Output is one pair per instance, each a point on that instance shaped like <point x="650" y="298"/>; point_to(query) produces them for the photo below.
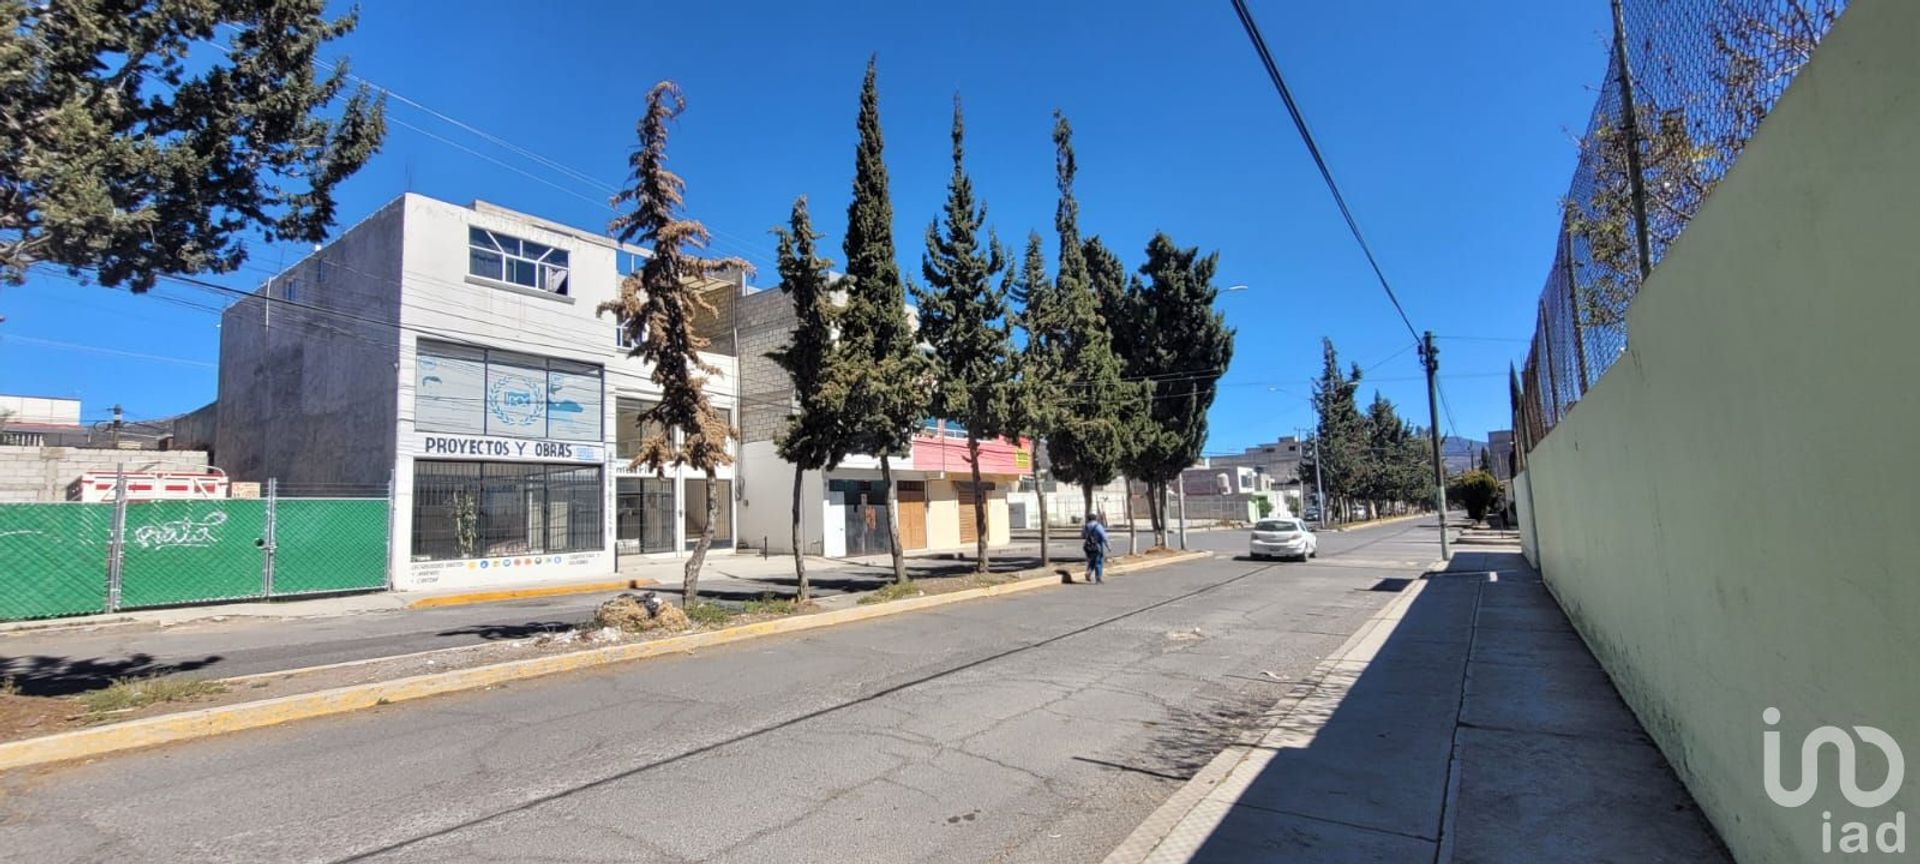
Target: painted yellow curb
<point x="1379" y="522"/>
<point x="187" y="725"/>
<point x="524" y="593"/>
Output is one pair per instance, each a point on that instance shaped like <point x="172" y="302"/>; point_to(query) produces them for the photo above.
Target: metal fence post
<point x="116" y="542"/>
<point x="390" y="518"/>
<point x="1636" y="177"/>
<point x="267" y="543"/>
<point x="1573" y="301"/>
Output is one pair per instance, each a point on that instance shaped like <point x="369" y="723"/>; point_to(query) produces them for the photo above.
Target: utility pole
<point x="1430" y="358"/>
<point x="1183" y="511"/>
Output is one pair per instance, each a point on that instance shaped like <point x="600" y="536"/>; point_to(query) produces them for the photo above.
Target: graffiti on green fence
<point x="54" y="557"/>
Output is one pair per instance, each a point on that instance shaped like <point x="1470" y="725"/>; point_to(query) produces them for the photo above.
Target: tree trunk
<point x="893" y="520"/>
<point x="1086" y="500"/>
<point x="1160" y="517"/>
<point x="799" y="547"/>
<point x="690" y="592"/>
<point x="979" y="506"/>
<point x="1040" y="493"/>
<point x="1133" y="534"/>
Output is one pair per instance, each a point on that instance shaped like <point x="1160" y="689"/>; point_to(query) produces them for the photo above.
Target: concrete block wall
<point x="40" y="474"/>
<point x="766" y="323"/>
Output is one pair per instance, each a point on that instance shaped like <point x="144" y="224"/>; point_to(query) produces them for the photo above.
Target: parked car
<point x="1283" y="538"/>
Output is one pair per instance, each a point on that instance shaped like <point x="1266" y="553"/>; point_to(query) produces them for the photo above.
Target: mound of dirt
<point x="640" y="613"/>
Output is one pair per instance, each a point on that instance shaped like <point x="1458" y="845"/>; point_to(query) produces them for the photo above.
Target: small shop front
<point x="503" y="477"/>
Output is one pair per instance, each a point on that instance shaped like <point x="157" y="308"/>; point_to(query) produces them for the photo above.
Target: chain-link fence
<point x="1687" y="83"/>
<point x="76" y="558"/>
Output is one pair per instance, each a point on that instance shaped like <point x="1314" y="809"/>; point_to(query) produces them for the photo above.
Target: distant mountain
<point x="1460" y="454"/>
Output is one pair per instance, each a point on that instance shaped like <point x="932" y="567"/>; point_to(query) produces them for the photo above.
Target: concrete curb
<point x="188" y="725"/>
<point x="1390" y="520"/>
<point x="471" y="597"/>
<point x="1164" y="820"/>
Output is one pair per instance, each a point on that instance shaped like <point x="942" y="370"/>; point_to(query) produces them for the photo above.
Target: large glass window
<point x="644" y="510"/>
<point x="450" y="385"/>
<point x="489" y="509"/>
<point x="480" y="391"/>
<point x="516" y="395"/>
<point x="697" y="511"/>
<point x="497" y="256"/>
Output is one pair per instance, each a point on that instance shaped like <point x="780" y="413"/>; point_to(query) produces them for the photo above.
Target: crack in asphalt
<point x="793" y="721"/>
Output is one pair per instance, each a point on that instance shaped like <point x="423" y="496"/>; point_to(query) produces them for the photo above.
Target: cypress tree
<point x="813" y="439"/>
<point x="887" y="399"/>
<point x="658" y="305"/>
<point x="1039" y="390"/>
<point x="962" y="316"/>
<point x="1183" y="346"/>
<point x="1091" y="437"/>
<point x="1340" y="448"/>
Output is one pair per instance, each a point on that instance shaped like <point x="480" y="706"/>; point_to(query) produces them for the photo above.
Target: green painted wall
<point x="1732" y="514"/>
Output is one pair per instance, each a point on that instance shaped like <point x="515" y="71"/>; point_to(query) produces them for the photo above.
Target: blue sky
<point x="1447" y="126"/>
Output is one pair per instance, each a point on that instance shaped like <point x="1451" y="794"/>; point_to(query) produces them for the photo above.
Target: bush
<point x="709" y="614"/>
<point x="1476" y="490"/>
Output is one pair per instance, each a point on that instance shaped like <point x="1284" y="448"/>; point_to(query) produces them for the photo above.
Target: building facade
<point x="1500" y="453"/>
<point x="455" y="355"/>
<point x="844" y="511"/>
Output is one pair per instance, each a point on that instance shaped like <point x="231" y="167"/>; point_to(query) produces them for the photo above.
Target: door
<point x="913" y="514"/>
<point x="969" y="526"/>
<point x="866" y="516"/>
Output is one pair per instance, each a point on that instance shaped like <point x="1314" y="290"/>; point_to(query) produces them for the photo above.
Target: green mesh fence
<point x="191" y="551"/>
<point x="53" y="559"/>
<point x="329" y="545"/>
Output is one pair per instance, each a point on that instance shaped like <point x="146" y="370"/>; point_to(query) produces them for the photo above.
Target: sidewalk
<point x="1466" y="722"/>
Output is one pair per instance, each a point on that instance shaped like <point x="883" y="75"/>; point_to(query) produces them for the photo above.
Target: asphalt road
<point x="1037" y="727"/>
<point x="59" y="662"/>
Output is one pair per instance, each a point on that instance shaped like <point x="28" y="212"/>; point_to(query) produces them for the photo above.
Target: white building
<point x="455" y="352"/>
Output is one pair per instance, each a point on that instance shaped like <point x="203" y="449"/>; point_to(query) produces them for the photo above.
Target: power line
<point x="1313" y="149"/>
<point x="741" y="247"/>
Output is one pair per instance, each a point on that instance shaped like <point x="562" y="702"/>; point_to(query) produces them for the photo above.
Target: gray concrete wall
<point x="198" y="429"/>
<point x="766" y="323"/>
<point x="307" y="385"/>
<point x="29" y="474"/>
<point x="1727" y="516"/>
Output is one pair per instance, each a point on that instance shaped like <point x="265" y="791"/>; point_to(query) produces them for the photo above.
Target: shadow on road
<point x="40" y="675"/>
<point x="492" y="632"/>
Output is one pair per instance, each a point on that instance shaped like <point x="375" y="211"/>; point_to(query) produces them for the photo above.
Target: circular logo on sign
<point x="516" y="400"/>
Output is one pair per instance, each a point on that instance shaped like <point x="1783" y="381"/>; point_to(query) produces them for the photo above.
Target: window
<point x="496" y="256"/>
<point x="489" y="509"/>
<point x="628" y="433"/>
<point x="697" y="511"/>
<point x="478" y="391"/>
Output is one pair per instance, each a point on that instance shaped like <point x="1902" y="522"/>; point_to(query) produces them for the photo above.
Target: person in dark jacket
<point x="1093" y="541"/>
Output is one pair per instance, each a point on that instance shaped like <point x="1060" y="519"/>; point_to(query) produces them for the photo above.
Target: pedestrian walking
<point x="1093" y="541"/>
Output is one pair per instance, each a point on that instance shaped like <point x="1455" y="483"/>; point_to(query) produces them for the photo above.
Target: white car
<point x="1283" y="538"/>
